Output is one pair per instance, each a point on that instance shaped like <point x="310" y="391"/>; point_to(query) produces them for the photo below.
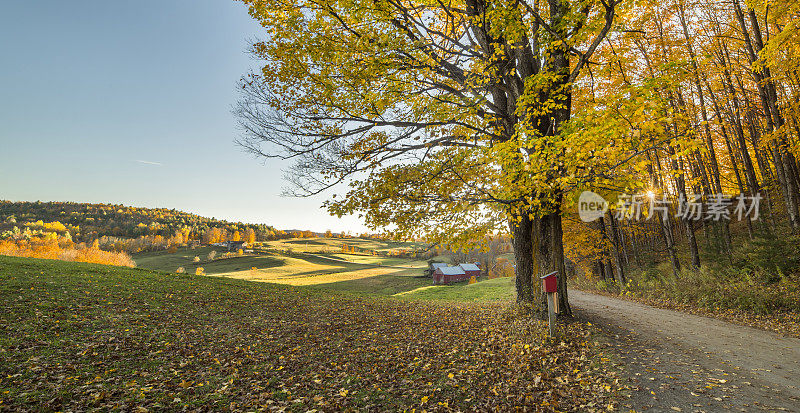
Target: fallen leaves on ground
<point x="76" y="336"/>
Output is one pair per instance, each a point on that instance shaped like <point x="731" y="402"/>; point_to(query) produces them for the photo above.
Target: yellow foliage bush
<point x="62" y="248"/>
<point x="502" y="268"/>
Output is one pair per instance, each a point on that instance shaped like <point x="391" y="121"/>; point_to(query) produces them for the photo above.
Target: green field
<point x="334" y="245"/>
<point x="495" y="290"/>
<point x="77" y="336"/>
<point x="304" y="262"/>
<point x="163" y="261"/>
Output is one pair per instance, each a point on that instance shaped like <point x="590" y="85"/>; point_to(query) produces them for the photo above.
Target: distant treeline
<point x="131" y="229"/>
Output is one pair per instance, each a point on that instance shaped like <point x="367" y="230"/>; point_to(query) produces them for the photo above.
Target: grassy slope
<point x="334" y="245"/>
<point x="498" y="289"/>
<point x="296" y="268"/>
<point x="370" y="259"/>
<point x="75" y="336"/>
<point x="163" y="261"/>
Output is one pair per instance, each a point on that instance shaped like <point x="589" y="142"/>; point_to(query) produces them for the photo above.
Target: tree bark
<point x="607" y="261"/>
<point x="549" y="257"/>
<point x="522" y="241"/>
<point x="619" y="260"/>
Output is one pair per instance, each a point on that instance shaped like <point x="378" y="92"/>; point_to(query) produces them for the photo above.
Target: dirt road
<point x="682" y="362"/>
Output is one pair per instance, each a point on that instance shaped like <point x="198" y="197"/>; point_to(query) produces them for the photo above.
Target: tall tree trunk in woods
<point x="599" y="270"/>
<point x="547" y="229"/>
<point x="680" y="184"/>
<point x="606" y="261"/>
<point x="736" y="119"/>
<point x="705" y="190"/>
<point x="633" y="237"/>
<point x="623" y="242"/>
<point x="732" y="156"/>
<point x="734" y="166"/>
<point x="688" y="224"/>
<point x="619" y="259"/>
<point x="599" y="263"/>
<point x="664" y="223"/>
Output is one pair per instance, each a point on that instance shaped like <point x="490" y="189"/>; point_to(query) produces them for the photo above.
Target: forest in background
<point x="716" y="220"/>
<point x="109" y="233"/>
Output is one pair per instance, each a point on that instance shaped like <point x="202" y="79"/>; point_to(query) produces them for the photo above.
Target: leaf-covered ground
<point x="81" y="336"/>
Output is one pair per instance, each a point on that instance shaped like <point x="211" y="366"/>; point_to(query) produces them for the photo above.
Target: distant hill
<point x="86" y="222"/>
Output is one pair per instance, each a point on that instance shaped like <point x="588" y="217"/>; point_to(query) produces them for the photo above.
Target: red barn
<point x="447" y="275"/>
<point x="472" y="270"/>
<point x="434" y="266"/>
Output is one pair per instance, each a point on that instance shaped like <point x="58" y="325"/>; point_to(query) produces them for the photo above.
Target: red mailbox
<point x="550" y="282"/>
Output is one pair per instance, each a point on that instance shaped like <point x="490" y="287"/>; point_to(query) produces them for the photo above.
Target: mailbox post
<point x="550" y="286"/>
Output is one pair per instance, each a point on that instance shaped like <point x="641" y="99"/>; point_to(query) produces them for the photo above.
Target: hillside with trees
<point x="127" y="228"/>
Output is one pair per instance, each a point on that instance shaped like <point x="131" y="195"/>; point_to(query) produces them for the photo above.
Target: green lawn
<point x="76" y="336"/>
<point x="498" y="289"/>
<point x="384" y="285"/>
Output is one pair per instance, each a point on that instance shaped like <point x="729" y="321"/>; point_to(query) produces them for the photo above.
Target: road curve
<point x="684" y="362"/>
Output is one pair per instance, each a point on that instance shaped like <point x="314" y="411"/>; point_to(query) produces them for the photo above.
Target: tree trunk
<point x="606" y="261"/>
<point x="522" y="241"/>
<point x="619" y="259"/>
<point x="549" y="257"/>
<point x="665" y="226"/>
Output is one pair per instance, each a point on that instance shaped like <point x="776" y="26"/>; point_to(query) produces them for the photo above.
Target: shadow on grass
<point x="385" y="285"/>
<point x="306" y="242"/>
<point x="233" y="264"/>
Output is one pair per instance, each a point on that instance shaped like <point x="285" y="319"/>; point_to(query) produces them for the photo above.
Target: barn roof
<point x="469" y="267"/>
<point x="435" y="265"/>
<point x="451" y="270"/>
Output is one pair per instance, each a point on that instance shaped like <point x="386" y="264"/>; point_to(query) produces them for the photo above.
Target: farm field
<point x="309" y="263"/>
<point x="78" y="336"/>
<point x="334" y="245"/>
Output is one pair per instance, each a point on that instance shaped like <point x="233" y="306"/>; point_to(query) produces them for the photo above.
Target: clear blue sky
<point x="91" y="89"/>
